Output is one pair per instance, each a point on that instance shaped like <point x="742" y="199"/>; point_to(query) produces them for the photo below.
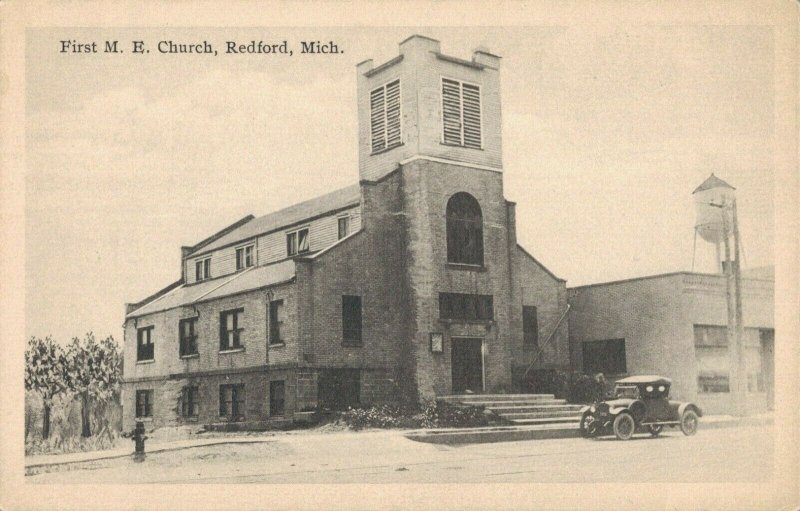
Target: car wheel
<point x="689" y="421"/>
<point x="584" y="420"/>
<point x="624" y="426"/>
<point x="655" y="430"/>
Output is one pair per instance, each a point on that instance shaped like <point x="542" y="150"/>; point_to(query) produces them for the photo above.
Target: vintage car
<point x="640" y="404"/>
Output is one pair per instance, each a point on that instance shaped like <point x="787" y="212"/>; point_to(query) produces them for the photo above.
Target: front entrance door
<point x="467" y="363"/>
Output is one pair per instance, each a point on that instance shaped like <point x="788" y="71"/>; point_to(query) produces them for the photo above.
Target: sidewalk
<point x="42" y="460"/>
<point x="445" y="436"/>
<point x="549" y="431"/>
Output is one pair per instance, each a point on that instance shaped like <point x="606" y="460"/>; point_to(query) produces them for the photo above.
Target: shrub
<point x="440" y="414"/>
<point x="382" y="416"/>
<point x="433" y="414"/>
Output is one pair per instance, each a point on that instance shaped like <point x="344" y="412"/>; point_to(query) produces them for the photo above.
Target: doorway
<point x="467" y="364"/>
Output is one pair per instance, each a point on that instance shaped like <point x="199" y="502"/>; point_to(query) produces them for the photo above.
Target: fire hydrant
<point x="139" y="438"/>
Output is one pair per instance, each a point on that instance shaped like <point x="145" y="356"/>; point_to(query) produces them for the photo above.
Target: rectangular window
<point x="297" y="242"/>
<point x="144" y="403"/>
<point x="144" y="344"/>
<point x="244" y="257"/>
<point x="384" y="105"/>
<point x="344" y="226"/>
<point x="711" y="354"/>
<point x="230" y="329"/>
<point x="530" y="326"/>
<point x="713" y="382"/>
<point x="461" y="113"/>
<point x="275" y="321"/>
<point x="351" y="320"/>
<point x="466" y="307"/>
<point x="607" y="357"/>
<point x="231" y="401"/>
<point x="187" y="329"/>
<point x="190" y="402"/>
<point x="709" y="335"/>
<point x="277" y="398"/>
<point x="202" y="269"/>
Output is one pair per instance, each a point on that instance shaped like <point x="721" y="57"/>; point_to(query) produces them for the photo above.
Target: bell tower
<point x="424" y="103"/>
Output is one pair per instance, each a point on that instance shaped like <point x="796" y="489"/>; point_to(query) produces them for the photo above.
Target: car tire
<point x="586" y="430"/>
<point x="624" y="426"/>
<point x="655" y="429"/>
<point x="689" y="421"/>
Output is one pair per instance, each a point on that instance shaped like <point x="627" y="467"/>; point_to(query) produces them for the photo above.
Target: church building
<point x="403" y="287"/>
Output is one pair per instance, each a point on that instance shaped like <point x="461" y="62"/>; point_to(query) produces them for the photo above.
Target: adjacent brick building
<point x="406" y="286"/>
<point x="675" y="325"/>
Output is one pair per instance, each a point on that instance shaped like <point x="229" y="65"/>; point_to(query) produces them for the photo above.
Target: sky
<point x="606" y="132"/>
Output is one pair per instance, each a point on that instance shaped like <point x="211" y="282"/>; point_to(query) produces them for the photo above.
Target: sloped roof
<point x="712" y="182"/>
<point x="287" y="216"/>
<point x="253" y="278"/>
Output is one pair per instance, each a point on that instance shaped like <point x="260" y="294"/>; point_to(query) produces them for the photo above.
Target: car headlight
<point x="592" y="409"/>
<point x="649" y="388"/>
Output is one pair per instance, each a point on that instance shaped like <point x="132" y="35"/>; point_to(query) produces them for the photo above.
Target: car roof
<point x="646" y="379"/>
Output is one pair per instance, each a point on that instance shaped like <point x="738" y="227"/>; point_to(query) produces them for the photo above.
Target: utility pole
<point x="737" y="381"/>
<point x="742" y="383"/>
<point x="715" y="200"/>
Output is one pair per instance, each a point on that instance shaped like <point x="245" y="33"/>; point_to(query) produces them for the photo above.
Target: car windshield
<point x="628" y="391"/>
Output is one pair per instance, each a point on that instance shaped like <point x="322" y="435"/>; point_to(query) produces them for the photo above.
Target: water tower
<point x="713" y="201"/>
<point x="717" y="222"/>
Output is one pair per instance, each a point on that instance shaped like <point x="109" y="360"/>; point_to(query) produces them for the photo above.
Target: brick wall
<point x="420" y="72"/>
<point x="370" y="264"/>
<point x="536" y="286"/>
<point x="656" y="317"/>
<point x="427" y="187"/>
<point x="167" y="395"/>
<point x="165" y="335"/>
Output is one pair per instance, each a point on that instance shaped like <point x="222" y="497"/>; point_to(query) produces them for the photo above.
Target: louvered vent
<point x="385" y="116"/>
<point x="461" y="113"/>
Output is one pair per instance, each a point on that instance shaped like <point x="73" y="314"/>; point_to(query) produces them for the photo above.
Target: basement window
<point x="144" y="403"/>
<point x="384" y="105"/>
<point x="190" y="402"/>
<point x="231" y="401"/>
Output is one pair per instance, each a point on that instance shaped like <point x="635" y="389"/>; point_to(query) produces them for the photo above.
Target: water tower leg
<point x="719" y="259"/>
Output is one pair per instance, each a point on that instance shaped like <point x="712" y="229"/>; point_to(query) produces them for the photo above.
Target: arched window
<point x="464" y="230"/>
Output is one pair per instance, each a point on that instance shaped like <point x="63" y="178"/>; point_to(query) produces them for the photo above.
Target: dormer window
<point x="244" y="257"/>
<point x="384" y="105"/>
<point x="202" y="269"/>
<point x="461" y="114"/>
<point x="297" y="242"/>
<point x="343" y="226"/>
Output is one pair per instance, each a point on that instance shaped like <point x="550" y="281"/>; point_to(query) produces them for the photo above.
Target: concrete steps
<point x="524" y="409"/>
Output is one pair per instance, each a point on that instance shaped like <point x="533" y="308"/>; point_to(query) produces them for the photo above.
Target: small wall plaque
<point x="437" y="342"/>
